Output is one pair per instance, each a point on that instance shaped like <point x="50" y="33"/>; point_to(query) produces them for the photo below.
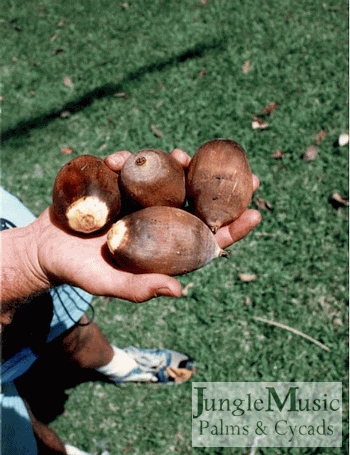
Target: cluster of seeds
<point x="156" y="231"/>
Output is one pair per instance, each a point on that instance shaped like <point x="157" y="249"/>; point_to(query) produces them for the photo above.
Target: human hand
<point x="84" y="261"/>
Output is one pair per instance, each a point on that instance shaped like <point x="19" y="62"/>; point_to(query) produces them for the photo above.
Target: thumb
<point x="143" y="287"/>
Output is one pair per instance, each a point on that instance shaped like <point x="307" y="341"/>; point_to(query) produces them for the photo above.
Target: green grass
<point x="155" y="52"/>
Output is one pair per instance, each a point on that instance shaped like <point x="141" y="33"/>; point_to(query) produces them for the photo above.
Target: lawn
<point x="103" y="76"/>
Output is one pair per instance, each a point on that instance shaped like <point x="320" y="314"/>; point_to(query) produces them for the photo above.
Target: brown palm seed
<point x="86" y="195"/>
<point x="153" y="178"/>
<point x="219" y="182"/>
<point x="162" y="240"/>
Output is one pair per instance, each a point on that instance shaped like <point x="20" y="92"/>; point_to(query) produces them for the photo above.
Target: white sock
<point x="119" y="366"/>
<point x="71" y="450"/>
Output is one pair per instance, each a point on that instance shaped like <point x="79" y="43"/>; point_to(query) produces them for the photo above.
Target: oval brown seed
<point x="219" y="182"/>
<point x="162" y="240"/>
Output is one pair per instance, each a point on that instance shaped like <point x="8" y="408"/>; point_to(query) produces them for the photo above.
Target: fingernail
<point x="166" y="292"/>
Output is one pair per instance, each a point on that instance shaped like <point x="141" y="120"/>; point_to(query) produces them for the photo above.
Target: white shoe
<point x="71" y="450"/>
<point x="154" y="365"/>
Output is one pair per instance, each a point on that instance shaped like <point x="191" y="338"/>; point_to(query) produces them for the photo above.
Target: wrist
<point x="21" y="274"/>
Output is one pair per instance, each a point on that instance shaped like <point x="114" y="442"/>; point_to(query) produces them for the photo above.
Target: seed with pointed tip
<point x="162" y="240"/>
<point x="219" y="182"/>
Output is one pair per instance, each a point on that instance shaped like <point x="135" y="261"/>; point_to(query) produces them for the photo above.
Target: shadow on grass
<point x="108" y="90"/>
<point x="46" y="384"/>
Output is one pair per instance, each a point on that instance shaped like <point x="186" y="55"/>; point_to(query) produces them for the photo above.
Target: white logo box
<point x="266" y="414"/>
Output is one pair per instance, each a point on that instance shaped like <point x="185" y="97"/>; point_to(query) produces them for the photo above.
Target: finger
<point x="256" y="182"/>
<point x="147" y="286"/>
<point x="238" y="229"/>
<point x="182" y="157"/>
<point x="135" y="288"/>
<point x="117" y="160"/>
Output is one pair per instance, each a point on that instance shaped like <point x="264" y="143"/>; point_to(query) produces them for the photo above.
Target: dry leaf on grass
<point x="180" y="374"/>
<point x="278" y="155"/>
<point x="310" y="154"/>
<point x="61" y="23"/>
<point x="121" y="95"/>
<point x="68" y="82"/>
<point x="338" y="199"/>
<point x="262" y="204"/>
<point x="246" y="67"/>
<point x="258" y="123"/>
<point x="343" y="139"/>
<point x="156" y="131"/>
<point x="320" y="136"/>
<point x="247" y="277"/>
<point x="67" y="150"/>
<point x="269" y="108"/>
<point x="202" y="73"/>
